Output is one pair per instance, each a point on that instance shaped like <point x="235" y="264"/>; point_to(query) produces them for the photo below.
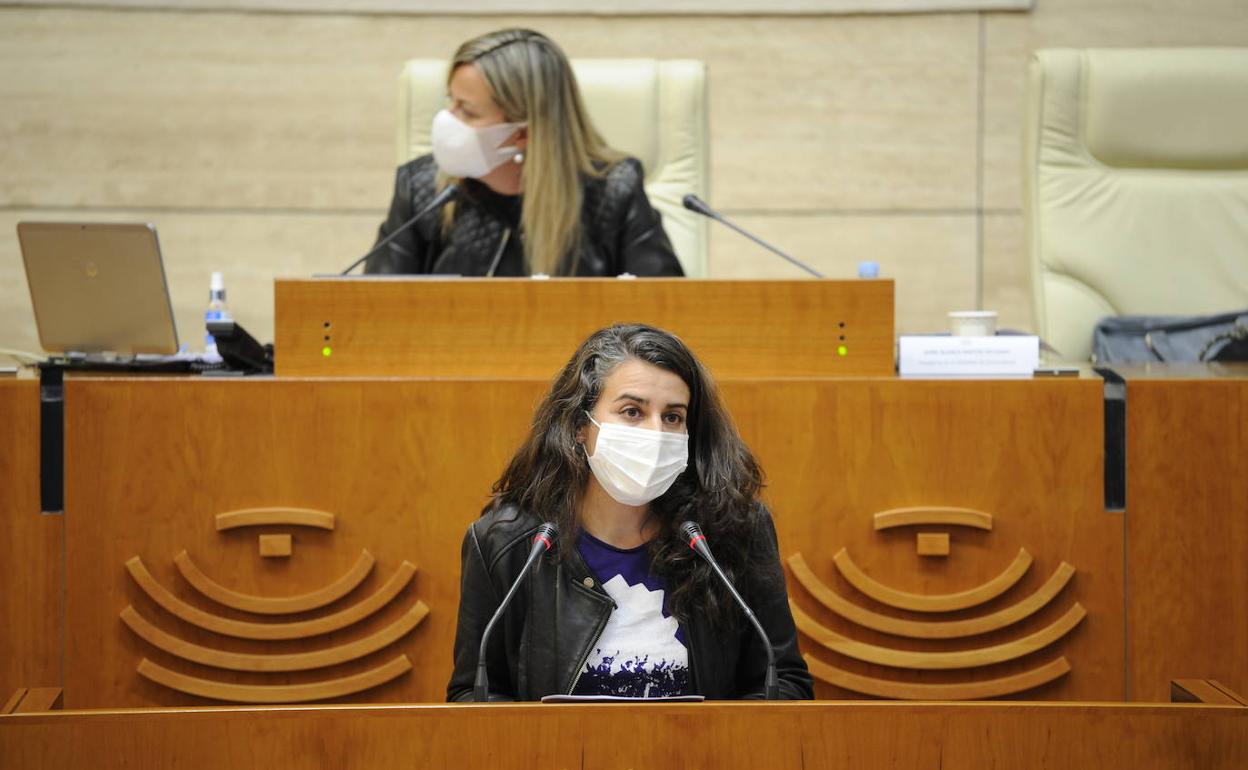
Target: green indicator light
<point x="327" y="351"/>
<point x="840" y="351"/>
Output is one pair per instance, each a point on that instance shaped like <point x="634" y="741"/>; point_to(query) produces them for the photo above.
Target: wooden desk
<point x="861" y="736"/>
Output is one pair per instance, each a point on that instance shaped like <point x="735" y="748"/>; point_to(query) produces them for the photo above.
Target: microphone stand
<point x="697" y="541"/>
<point x="441" y="200"/>
<point x="694" y="203"/>
<point x="542" y="541"/>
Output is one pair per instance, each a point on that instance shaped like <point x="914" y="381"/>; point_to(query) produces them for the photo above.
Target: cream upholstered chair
<point x="653" y="110"/>
<point x="1135" y="186"/>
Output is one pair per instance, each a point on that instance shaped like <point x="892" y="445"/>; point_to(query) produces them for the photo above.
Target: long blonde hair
<point x="532" y="81"/>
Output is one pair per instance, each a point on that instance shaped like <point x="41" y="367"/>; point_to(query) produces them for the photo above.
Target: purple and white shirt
<point x="642" y="651"/>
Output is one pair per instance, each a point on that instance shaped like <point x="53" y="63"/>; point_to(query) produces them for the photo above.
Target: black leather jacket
<point x="620" y="231"/>
<point x="540" y="644"/>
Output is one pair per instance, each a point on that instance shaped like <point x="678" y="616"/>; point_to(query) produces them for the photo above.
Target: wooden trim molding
<point x="259" y="517"/>
<point x="981" y="656"/>
<point x="919" y="629"/>
<point x="284" y="693"/>
<point x="932" y="514"/>
<point x="275" y="605"/>
<point x="1204" y="691"/>
<point x="932" y="602"/>
<point x="302" y="661"/>
<point x="13" y="700"/>
<point x="33" y="700"/>
<point x="244" y="630"/>
<point x="988" y="688"/>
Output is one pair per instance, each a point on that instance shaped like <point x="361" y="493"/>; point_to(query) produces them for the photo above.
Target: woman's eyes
<point x="671" y="418"/>
<point x="459" y="110"/>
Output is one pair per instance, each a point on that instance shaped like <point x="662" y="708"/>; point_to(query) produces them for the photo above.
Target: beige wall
<point x="262" y="144"/>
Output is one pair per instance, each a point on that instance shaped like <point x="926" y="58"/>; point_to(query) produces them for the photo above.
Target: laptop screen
<point x="98" y="288"/>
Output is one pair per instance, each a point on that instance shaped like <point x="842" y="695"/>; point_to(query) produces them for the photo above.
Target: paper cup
<point x="973" y="323"/>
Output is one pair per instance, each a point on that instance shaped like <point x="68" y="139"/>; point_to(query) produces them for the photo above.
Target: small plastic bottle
<point x="217" y="310"/>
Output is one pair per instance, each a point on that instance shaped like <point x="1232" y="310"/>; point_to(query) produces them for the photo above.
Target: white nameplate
<point x="942" y="355"/>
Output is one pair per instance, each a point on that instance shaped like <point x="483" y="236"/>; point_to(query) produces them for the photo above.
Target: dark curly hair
<point x="719" y="488"/>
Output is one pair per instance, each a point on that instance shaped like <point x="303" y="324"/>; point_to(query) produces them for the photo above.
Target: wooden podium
<point x="525" y="328"/>
<point x="722" y="736"/>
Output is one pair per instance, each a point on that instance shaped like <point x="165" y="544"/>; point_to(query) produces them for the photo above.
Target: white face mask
<point x="463" y="151"/>
<point x="635" y="465"/>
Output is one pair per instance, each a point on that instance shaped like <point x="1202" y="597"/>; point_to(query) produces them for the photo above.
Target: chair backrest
<point x="1135" y="186"/>
<point x="653" y="110"/>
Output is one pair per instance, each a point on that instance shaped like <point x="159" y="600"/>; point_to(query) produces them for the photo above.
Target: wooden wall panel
<point x="31" y="579"/>
<point x="738" y="735"/>
<point x="1027" y="452"/>
<point x="1187" y="532"/>
<point x="407" y="464"/>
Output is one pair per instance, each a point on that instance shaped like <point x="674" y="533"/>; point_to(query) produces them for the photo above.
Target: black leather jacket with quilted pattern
<point x="620" y="231"/>
<point x="540" y="644"/>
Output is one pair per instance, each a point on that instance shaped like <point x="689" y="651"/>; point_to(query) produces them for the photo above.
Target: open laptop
<point x="98" y="290"/>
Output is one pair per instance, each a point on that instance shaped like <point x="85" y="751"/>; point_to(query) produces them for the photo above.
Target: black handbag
<point x="1173" y="339"/>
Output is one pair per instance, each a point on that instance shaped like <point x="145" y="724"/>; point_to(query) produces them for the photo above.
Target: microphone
<point x="694" y="203"/>
<point x="542" y="542"/>
<point x="441" y="200"/>
<point x="697" y="541"/>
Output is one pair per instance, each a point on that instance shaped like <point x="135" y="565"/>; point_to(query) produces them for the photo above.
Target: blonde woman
<point x="539" y="189"/>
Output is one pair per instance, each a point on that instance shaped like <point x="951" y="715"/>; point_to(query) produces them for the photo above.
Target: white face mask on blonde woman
<point x="464" y="151"/>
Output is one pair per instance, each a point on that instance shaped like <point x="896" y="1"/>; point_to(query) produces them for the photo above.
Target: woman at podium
<point x="538" y="190"/>
<point x="630" y="443"/>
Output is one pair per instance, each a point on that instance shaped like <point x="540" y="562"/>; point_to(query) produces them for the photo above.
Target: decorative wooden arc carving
<point x="13" y="700"/>
<point x="275" y="605"/>
<point x="32" y="700"/>
<point x="1201" y="691"/>
<point x="245" y="630"/>
<point x="932" y="602"/>
<point x="940" y="515"/>
<point x="285" y="693"/>
<point x="989" y="688"/>
<point x="256" y="517"/>
<point x="920" y="629"/>
<point x="294" y="662"/>
<point x="982" y="656"/>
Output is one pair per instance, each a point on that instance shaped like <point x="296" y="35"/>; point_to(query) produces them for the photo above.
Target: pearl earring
<point x="518" y="158"/>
